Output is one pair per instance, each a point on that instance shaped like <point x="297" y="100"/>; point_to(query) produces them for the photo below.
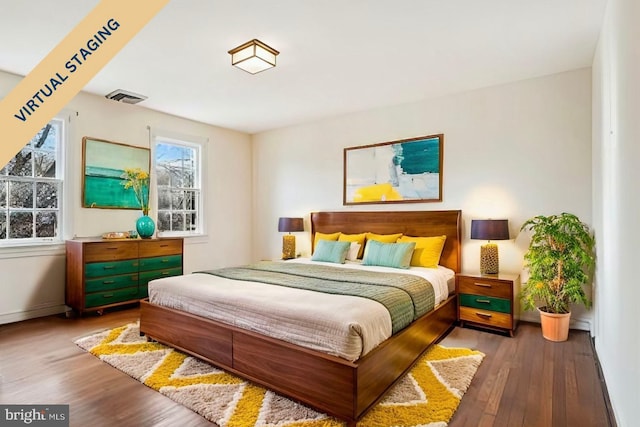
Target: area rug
<point x="426" y="397"/>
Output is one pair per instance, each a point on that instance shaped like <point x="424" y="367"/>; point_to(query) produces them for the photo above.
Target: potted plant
<point x="560" y="260"/>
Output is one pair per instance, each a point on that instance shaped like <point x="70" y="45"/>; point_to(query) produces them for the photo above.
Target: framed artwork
<point x="103" y="164"/>
<point x="403" y="171"/>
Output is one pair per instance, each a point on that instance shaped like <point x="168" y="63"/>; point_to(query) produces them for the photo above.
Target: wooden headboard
<point x="409" y="223"/>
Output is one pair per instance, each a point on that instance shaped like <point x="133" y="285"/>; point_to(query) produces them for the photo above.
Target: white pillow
<point x="354" y="249"/>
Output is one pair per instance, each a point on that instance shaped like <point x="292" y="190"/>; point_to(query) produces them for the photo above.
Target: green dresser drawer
<point x="111" y="297"/>
<point x="486" y="303"/>
<point x="147" y="276"/>
<point x="160" y="262"/>
<point x="111" y="282"/>
<point x="99" y="269"/>
<point x="143" y="291"/>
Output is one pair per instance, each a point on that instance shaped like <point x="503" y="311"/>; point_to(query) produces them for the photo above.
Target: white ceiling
<point x="337" y="56"/>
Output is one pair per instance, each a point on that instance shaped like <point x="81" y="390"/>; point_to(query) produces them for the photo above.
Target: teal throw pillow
<point x="396" y="255"/>
<point x="331" y="251"/>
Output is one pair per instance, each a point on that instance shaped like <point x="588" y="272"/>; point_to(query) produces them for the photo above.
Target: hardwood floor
<point x="529" y="381"/>
<point x="523" y="381"/>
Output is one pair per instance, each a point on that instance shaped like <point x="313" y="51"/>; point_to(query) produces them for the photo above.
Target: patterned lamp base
<point x="489" y="259"/>
<point x="288" y="246"/>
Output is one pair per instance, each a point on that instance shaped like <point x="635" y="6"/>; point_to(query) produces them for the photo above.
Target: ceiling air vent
<point x="125" y="96"/>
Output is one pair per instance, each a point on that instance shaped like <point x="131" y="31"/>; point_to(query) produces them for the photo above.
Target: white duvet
<point x="340" y="325"/>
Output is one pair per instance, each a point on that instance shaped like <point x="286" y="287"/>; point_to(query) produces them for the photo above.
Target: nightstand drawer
<point x="487" y="287"/>
<point x="486" y="303"/>
<point x="491" y="318"/>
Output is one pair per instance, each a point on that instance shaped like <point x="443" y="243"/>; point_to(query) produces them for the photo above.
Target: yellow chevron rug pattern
<point x="426" y="397"/>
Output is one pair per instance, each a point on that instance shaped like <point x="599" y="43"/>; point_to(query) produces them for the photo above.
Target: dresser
<point x="105" y="273"/>
<point x="489" y="301"/>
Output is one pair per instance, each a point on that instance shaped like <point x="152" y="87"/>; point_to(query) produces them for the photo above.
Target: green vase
<point x="145" y="227"/>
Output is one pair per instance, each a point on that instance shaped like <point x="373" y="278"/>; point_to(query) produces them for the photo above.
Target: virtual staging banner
<point x="68" y="68"/>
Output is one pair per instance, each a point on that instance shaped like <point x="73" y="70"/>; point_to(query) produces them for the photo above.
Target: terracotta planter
<point x="555" y="327"/>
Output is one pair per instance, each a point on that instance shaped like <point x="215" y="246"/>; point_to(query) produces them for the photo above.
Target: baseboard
<point x="610" y="412"/>
<point x="581" y="324"/>
<point x="19" y="316"/>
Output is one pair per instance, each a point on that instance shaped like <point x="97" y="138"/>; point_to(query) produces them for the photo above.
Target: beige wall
<point x="32" y="284"/>
<point x="510" y="151"/>
<point x="616" y="205"/>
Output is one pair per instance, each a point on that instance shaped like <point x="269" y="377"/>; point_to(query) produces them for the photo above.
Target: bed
<point x="343" y="388"/>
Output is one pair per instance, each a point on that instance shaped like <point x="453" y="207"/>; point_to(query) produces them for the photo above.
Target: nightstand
<point x="489" y="301"/>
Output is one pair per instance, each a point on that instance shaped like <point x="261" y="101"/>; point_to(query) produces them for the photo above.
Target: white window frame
<point x="199" y="146"/>
<point x="61" y="177"/>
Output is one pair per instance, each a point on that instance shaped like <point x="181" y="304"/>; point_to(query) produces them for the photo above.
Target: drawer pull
<point x="165" y="260"/>
<point x="113" y="248"/>
<point x="483" y="301"/>
<point x="109" y="267"/>
<point x="107" y="296"/>
<point x="108" y="282"/>
<point x="164" y="246"/>
<point x="165" y="273"/>
<point x="483" y="285"/>
<point x="483" y="314"/>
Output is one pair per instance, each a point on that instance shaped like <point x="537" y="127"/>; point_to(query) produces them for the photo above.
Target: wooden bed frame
<point x="330" y="384"/>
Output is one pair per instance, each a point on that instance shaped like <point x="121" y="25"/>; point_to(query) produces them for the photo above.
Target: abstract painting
<point x="403" y="171"/>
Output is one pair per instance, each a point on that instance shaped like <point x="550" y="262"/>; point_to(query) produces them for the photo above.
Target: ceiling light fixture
<point x="253" y="56"/>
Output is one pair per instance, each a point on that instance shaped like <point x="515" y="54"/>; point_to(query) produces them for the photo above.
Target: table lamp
<point x="289" y="225"/>
<point x="489" y="229"/>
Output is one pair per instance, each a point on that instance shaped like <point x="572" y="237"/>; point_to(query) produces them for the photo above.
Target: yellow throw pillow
<point x="323" y="236"/>
<point x="358" y="238"/>
<point x="428" y="250"/>
<point x="384" y="238"/>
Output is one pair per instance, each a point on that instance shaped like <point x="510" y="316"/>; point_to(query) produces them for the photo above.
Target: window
<point x="177" y="169"/>
<point x="31" y="190"/>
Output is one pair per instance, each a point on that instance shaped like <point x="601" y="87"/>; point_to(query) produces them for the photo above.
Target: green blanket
<point x="405" y="296"/>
